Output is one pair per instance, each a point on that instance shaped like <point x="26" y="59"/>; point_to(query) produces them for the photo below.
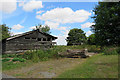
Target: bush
<point x="27" y="55"/>
<point x="93" y="48"/>
<point x="34" y="56"/>
<point x="18" y="59"/>
<point x="111" y="50"/>
<point x="118" y="50"/>
<point x="6" y="59"/>
<point x="42" y="55"/>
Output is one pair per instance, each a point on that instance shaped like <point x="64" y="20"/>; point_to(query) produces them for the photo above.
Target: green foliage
<point x="45" y="29"/>
<point x="9" y="55"/>
<point x="34" y="56"/>
<point x="94" y="48"/>
<point x="11" y="65"/>
<point x="18" y="59"/>
<point x="107" y="23"/>
<point x="91" y="48"/>
<point x="91" y="39"/>
<point x="52" y="53"/>
<point x="118" y="50"/>
<point x="76" y="37"/>
<point x="111" y="50"/>
<point x="6" y="59"/>
<point x="5" y="31"/>
<point x="41" y="55"/>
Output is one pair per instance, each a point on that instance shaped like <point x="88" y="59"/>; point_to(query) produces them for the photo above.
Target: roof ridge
<point x="18" y="35"/>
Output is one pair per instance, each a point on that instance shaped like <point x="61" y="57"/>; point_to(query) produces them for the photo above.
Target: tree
<point x="107" y="23"/>
<point x="76" y="37"/>
<point x="91" y="39"/>
<point x="45" y="29"/>
<point x="5" y="31"/>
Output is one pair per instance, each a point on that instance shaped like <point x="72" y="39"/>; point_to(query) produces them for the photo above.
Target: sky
<point x="23" y="16"/>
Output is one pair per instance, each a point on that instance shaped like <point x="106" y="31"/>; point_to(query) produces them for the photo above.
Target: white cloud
<point x="17" y="27"/>
<point x="88" y="33"/>
<point x="62" y="28"/>
<point x="52" y="25"/>
<point x="21" y="3"/>
<point x="38" y="16"/>
<point x="33" y="27"/>
<point x="64" y="15"/>
<point x="8" y="6"/>
<point x="31" y="5"/>
<point x="39" y="12"/>
<point x="87" y="25"/>
<point x="62" y="38"/>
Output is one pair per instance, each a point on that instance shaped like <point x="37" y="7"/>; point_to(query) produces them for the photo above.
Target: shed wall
<point x="35" y="41"/>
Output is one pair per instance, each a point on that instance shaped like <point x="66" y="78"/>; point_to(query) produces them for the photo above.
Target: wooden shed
<point x="27" y="41"/>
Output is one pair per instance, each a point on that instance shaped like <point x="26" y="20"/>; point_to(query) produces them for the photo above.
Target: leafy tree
<point x="91" y="39"/>
<point x="4" y="31"/>
<point x="45" y="29"/>
<point x="107" y="23"/>
<point x="76" y="37"/>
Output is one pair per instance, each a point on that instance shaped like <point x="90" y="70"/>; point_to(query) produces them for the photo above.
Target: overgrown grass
<point x="41" y="55"/>
<point x="91" y="48"/>
<point x="9" y="55"/>
<point x="44" y="55"/>
<point x="111" y="50"/>
<point x="98" y="66"/>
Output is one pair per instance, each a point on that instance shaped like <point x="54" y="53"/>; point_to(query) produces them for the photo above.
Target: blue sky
<point x="60" y="16"/>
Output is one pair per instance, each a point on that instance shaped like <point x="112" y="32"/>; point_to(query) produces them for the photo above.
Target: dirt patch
<point x="47" y="74"/>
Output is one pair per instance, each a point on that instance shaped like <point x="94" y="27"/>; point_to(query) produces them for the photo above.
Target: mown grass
<point x="98" y="66"/>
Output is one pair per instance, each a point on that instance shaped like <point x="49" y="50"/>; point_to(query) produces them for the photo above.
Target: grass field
<point x="98" y="66"/>
<point x="41" y="64"/>
<point x="44" y="69"/>
<point x="10" y="65"/>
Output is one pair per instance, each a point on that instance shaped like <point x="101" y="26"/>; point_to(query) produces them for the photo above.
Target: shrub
<point x="19" y="56"/>
<point x="34" y="56"/>
<point x="18" y="59"/>
<point x="93" y="48"/>
<point x="111" y="50"/>
<point x="27" y="55"/>
<point x="118" y="50"/>
<point x="6" y="59"/>
<point x="42" y="55"/>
